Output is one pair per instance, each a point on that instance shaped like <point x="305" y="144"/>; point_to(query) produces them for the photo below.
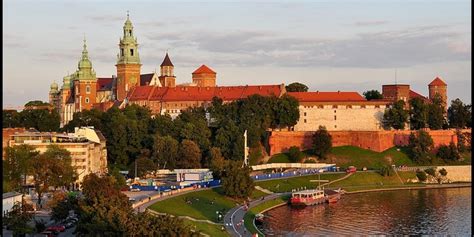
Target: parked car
<point x="351" y="169"/>
<point x="135" y="190"/>
<point x="69" y="225"/>
<point x="56" y="228"/>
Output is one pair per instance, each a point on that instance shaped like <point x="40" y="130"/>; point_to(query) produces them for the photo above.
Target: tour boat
<point x="332" y="196"/>
<point x="307" y="197"/>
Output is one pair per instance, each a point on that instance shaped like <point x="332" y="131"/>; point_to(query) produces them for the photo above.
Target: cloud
<point x="106" y="18"/>
<point x="397" y="48"/>
<point x="370" y="23"/>
<point x="13" y="41"/>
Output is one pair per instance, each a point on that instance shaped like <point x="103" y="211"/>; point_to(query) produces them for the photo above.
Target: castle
<point x="82" y="90"/>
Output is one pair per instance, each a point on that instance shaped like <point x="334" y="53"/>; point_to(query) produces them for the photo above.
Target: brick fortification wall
<point x="281" y="141"/>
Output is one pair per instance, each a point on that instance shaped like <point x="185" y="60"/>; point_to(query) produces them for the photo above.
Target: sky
<point x="345" y="45"/>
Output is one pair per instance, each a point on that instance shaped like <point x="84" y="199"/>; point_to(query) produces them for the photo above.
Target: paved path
<point x="235" y="216"/>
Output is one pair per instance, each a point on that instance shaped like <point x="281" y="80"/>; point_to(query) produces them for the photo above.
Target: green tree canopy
<point x="165" y="152"/>
<point x="18" y="164"/>
<point x="418" y="114"/>
<point x="295" y="154"/>
<point x="372" y="95"/>
<point x="396" y="116"/>
<point x="436" y="113"/>
<point x="420" y="146"/>
<point x="189" y="155"/>
<point x="236" y="180"/>
<point x="322" y="142"/>
<point x="296" y="87"/>
<point x="459" y="114"/>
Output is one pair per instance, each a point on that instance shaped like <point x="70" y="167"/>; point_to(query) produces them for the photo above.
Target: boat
<point x="307" y="197"/>
<point x="332" y="196"/>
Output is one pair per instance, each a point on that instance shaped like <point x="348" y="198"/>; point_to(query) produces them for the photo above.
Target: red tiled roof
<point x="145" y="79"/>
<point x="437" y="82"/>
<point x="326" y="96"/>
<point x="193" y="93"/>
<point x="104" y="84"/>
<point x="203" y="69"/>
<point x="166" y="61"/>
<point x="413" y="94"/>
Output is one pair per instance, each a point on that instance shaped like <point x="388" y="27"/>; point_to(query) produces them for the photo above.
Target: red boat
<point x="332" y="196"/>
<point x="307" y="197"/>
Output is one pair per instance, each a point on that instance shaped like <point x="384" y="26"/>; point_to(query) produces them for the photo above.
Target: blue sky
<point x="327" y="45"/>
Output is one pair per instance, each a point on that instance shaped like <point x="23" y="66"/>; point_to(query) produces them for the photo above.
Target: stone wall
<point x="458" y="173"/>
<point x="281" y="141"/>
<point x="340" y="117"/>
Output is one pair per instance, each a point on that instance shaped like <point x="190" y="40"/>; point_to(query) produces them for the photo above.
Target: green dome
<point x="54" y="86"/>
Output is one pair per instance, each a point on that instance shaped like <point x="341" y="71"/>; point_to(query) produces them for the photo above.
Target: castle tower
<point x="167" y="77"/>
<point x="54" y="98"/>
<point x="438" y="86"/>
<point x="128" y="62"/>
<point x="204" y="77"/>
<point x="84" y="82"/>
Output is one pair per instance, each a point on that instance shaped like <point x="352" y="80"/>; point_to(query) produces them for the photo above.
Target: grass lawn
<point x="370" y="180"/>
<point x="200" y="208"/>
<point x="405" y="175"/>
<point x="279" y="158"/>
<point x="345" y="156"/>
<point x="257" y="194"/>
<point x="250" y="215"/>
<point x="286" y="185"/>
<point x="209" y="229"/>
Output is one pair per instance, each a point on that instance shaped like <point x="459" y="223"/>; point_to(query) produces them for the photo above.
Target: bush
<point x="420" y="146"/>
<point x="386" y="171"/>
<point x="450" y="152"/>
<point x="421" y="175"/>
<point x="431" y="171"/>
<point x="443" y="172"/>
<point x="295" y="154"/>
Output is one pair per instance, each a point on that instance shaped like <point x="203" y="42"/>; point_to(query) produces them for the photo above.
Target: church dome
<point x="54" y="86"/>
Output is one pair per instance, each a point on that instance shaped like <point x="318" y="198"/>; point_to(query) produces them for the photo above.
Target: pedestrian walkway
<point x="263" y="190"/>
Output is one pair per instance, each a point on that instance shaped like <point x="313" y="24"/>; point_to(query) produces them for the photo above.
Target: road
<point x="234" y="217"/>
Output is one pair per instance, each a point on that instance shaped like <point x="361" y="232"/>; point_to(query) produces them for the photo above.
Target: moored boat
<point x="307" y="197"/>
<point x="332" y="196"/>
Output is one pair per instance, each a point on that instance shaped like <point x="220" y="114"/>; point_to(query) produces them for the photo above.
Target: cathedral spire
<point x="85" y="54"/>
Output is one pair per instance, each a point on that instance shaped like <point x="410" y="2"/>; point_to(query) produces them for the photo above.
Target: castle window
<point x="130" y="33"/>
<point x="335" y="111"/>
<point x="335" y="126"/>
<point x="88" y="89"/>
<point x="362" y="106"/>
<point x="87" y="100"/>
<point x="305" y="121"/>
<point x="304" y="113"/>
<point x="121" y="52"/>
<point x="377" y="106"/>
<point x="131" y="52"/>
<point x="320" y="106"/>
<point x="349" y="107"/>
<point x="335" y="117"/>
<point x="334" y="106"/>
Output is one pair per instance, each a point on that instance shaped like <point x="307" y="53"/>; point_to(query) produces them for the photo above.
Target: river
<point x="407" y="212"/>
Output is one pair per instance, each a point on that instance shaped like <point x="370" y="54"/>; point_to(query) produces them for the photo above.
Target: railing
<point x="293" y="173"/>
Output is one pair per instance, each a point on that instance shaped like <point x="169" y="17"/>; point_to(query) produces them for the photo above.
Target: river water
<point x="407" y="212"/>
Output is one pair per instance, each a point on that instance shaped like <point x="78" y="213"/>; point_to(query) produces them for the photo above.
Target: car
<point x="56" y="228"/>
<point x="351" y="169"/>
<point x="135" y="190"/>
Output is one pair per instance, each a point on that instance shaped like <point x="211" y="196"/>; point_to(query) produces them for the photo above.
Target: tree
<point x="296" y="87"/>
<point x="52" y="169"/>
<point x="295" y="154"/>
<point x="189" y="155"/>
<point x="287" y="112"/>
<point x="60" y="210"/>
<point x="119" y="178"/>
<point x="216" y="162"/>
<point x="17" y="219"/>
<point x="165" y="151"/>
<point x="396" y="116"/>
<point x="322" y="142"/>
<point x="36" y="103"/>
<point x="459" y="114"/>
<point x="450" y="152"/>
<point x="420" y="146"/>
<point x="418" y="113"/>
<point x="372" y="95"/>
<point x="144" y="166"/>
<point x="11" y="119"/>
<point x="421" y="175"/>
<point x="17" y="164"/>
<point x="229" y="138"/>
<point x="41" y="119"/>
<point x="436" y="113"/>
<point x="236" y="180"/>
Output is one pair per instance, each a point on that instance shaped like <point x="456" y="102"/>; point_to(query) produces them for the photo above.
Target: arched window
<point x="87" y="100"/>
<point x="88" y="89"/>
